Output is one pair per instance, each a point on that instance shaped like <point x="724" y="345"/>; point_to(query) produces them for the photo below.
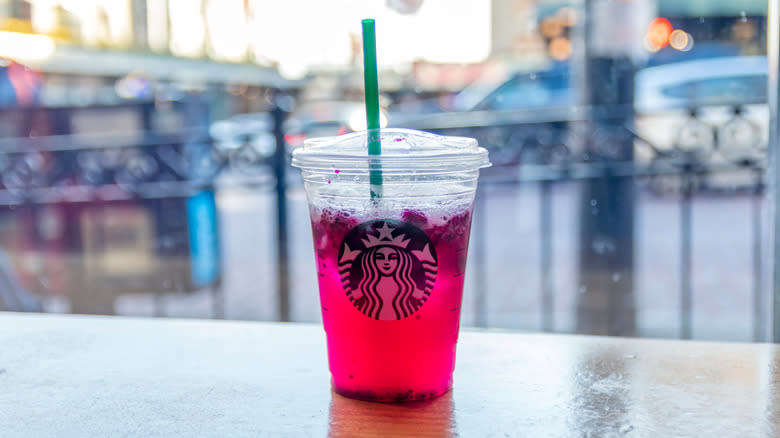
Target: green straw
<point x="371" y="84"/>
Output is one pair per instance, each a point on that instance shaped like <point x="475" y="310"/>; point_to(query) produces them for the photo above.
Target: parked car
<point x="711" y="91"/>
<point x="712" y="110"/>
<point x="708" y="112"/>
<point x="519" y="119"/>
<point x="538" y="89"/>
<point x="539" y="97"/>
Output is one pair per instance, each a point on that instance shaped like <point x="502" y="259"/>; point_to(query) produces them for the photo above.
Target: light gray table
<point x="72" y="376"/>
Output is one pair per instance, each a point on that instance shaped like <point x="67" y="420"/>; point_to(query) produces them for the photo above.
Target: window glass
<point x="145" y="154"/>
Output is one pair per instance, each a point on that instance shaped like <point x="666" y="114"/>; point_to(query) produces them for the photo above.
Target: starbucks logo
<point x="388" y="268"/>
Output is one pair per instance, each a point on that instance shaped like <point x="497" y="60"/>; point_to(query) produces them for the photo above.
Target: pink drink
<point x="391" y="256"/>
<point x="399" y="349"/>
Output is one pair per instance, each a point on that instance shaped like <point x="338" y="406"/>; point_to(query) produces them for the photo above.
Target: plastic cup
<point x="391" y="269"/>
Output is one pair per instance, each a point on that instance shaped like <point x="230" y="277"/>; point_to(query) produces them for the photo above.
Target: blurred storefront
<point x="225" y="46"/>
<point x="112" y="51"/>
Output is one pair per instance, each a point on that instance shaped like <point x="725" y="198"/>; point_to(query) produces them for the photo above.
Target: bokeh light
<point x="681" y="40"/>
<point x="551" y="27"/>
<point x="658" y="32"/>
<point x="560" y="49"/>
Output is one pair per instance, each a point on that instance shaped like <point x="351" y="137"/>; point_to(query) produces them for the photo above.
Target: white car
<point x="711" y="113"/>
<point x="712" y="109"/>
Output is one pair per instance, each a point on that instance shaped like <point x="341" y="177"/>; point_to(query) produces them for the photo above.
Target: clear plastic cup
<point x="391" y="268"/>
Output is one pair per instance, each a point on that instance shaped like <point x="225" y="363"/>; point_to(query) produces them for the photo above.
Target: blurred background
<point x="144" y="154"/>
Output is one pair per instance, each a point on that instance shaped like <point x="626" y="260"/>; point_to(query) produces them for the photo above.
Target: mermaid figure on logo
<point x="387" y="289"/>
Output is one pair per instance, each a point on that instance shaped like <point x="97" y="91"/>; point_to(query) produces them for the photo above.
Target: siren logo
<point x="387" y="268"/>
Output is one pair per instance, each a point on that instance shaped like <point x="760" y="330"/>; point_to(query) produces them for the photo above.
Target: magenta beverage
<point x="391" y="291"/>
<point x="391" y="269"/>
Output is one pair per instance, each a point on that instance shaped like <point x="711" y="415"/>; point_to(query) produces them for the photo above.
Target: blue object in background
<point x="7" y="92"/>
<point x="204" y="239"/>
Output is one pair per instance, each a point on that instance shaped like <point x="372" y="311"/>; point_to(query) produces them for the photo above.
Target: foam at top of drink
<point x="439" y="227"/>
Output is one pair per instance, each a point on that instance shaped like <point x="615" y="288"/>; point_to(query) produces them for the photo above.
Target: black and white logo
<point x="388" y="268"/>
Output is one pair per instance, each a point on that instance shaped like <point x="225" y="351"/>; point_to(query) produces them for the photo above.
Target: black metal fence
<point x="541" y="147"/>
<point x="545" y="148"/>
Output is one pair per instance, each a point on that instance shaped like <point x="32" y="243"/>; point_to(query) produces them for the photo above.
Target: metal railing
<point x="556" y="161"/>
<point x="526" y="147"/>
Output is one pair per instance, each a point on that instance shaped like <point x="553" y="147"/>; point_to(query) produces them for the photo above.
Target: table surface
<point x="110" y="376"/>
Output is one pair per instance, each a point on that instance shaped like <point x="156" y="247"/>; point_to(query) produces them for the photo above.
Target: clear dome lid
<point x="403" y="151"/>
